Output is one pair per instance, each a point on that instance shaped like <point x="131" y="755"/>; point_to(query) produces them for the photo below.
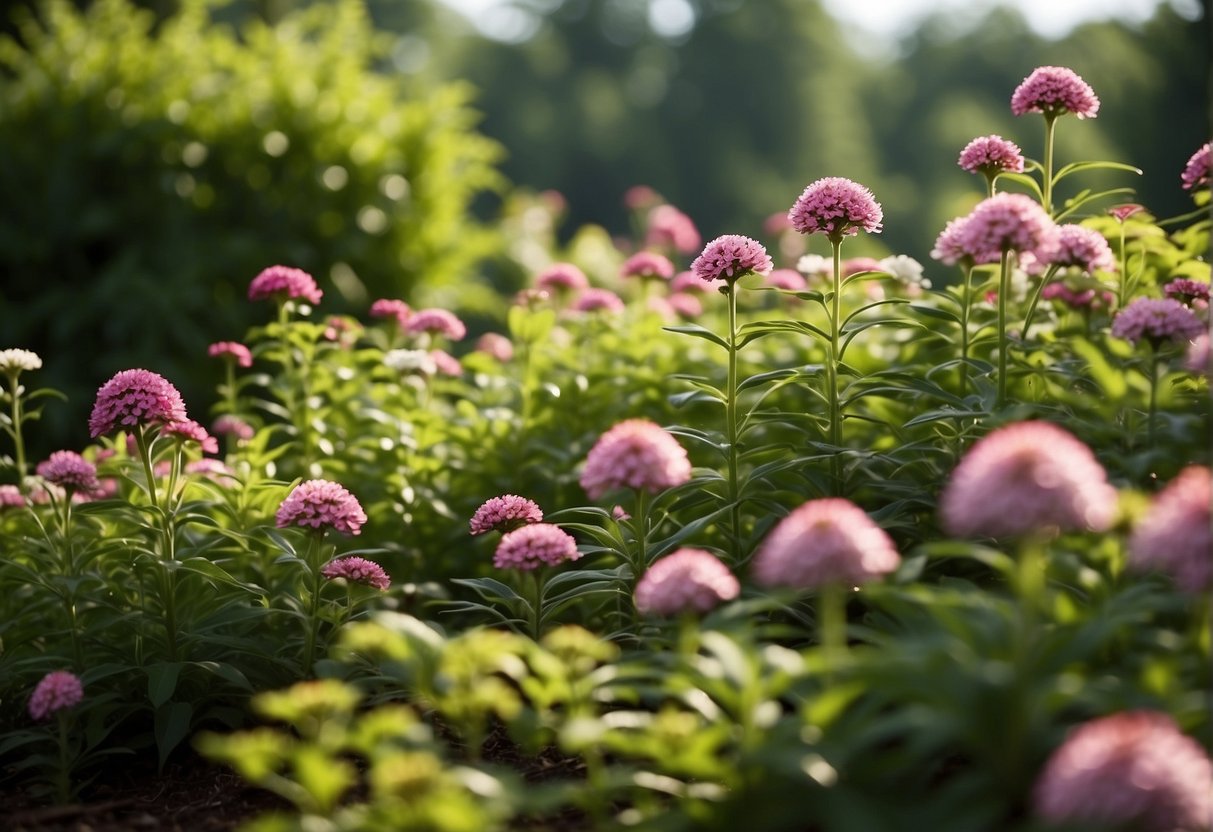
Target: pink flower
<point x="504" y="514"/>
<point x="776" y="224"/>
<point x="598" y="300"/>
<point x="1008" y="222"/>
<point x="234" y="351"/>
<point x="437" y="322"/>
<point x="228" y="425"/>
<point x="854" y="265"/>
<point x="1054" y="90"/>
<point x="496" y="345"/>
<point x="1157" y="321"/>
<point x="342" y="330"/>
<point x="990" y="155"/>
<point x="357" y="571"/>
<point x="397" y="310"/>
<point x="1023" y="478"/>
<point x="1123" y="212"/>
<point x="731" y="257"/>
<point x="835" y="207"/>
<point x="635" y="453"/>
<point x="1174" y="537"/>
<point x="446" y="364"/>
<point x="69" y="470"/>
<point x="135" y="397"/>
<point x="58" y="691"/>
<point x="561" y="278"/>
<point x="688" y="281"/>
<point x="187" y="430"/>
<point x="689" y="580"/>
<point x="11" y="497"/>
<point x="670" y="228"/>
<point x="1083" y="248"/>
<point x="533" y="546"/>
<point x="284" y="283"/>
<point x="1133" y="770"/>
<point x="1186" y="291"/>
<point x="1075" y="299"/>
<point x="646" y="265"/>
<point x="531" y="298"/>
<point x="211" y="468"/>
<point x="1198" y="355"/>
<point x="949" y="246"/>
<point x="640" y="197"/>
<point x="685" y="305"/>
<point x="1199" y="168"/>
<point x="827" y="541"/>
<point x="787" y="279"/>
<point x="320" y="505"/>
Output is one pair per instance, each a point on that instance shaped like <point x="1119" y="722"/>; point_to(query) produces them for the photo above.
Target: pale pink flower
<point x="660" y="307"/>
<point x="618" y="514"/>
<point x="1199" y="168"/>
<point x="561" y="278"/>
<point x="58" y="691"/>
<point x="1174" y="537"/>
<point x="1157" y="321"/>
<point x="640" y="197"/>
<point x="688" y="281"/>
<point x="789" y="280"/>
<point x="234" y="426"/>
<point x="635" y="453"/>
<point x="392" y="308"/>
<point x="135" y="397"/>
<point x="827" y="541"/>
<point x="211" y="468"/>
<point x="670" y="228"/>
<point x="69" y="470"/>
<point x="854" y="265"/>
<point x="949" y="246"/>
<point x="320" y="505"/>
<point x="496" y="345"/>
<point x="989" y="155"/>
<point x="1083" y="248"/>
<point x="687" y="581"/>
<point x="343" y="330"/>
<point x="437" y="322"/>
<point x="535" y="545"/>
<point x="731" y="257"/>
<point x="1023" y="478"/>
<point x="11" y="497"/>
<point x="233" y="351"/>
<point x="1133" y="770"/>
<point x="1198" y="359"/>
<point x="1076" y="298"/>
<point x="598" y="300"/>
<point x="776" y="224"/>
<point x="446" y="364"/>
<point x="187" y="430"/>
<point x="685" y="305"/>
<point x="836" y="206"/>
<point x="1008" y="222"/>
<point x="1187" y="292"/>
<point x="1054" y="90"/>
<point x="284" y="283"/>
<point x="357" y="570"/>
<point x="532" y="298"/>
<point x="504" y="514"/>
<point x="1123" y="212"/>
<point x="647" y="265"/>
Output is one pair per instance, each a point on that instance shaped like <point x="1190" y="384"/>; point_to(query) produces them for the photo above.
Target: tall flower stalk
<point x="13" y="362"/>
<point x="1053" y="91"/>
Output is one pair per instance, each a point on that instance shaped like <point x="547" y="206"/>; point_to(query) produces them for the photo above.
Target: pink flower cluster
<point x="69" y="470"/>
<point x="496" y="345"/>
<point x="731" y="257"/>
<point x="1054" y="90"/>
<point x="1133" y="770"/>
<point x="1004" y="222"/>
<point x="320" y="505"/>
<point x="789" y="280"/>
<point x="1083" y="248"/>
<point x="685" y="305"/>
<point x="135" y="397"/>
<point x="949" y="246"/>
<point x="1075" y="298"/>
<point x="598" y="300"/>
<point x="670" y="228"/>
<point x="437" y="322"/>
<point x="826" y="541"/>
<point x="1174" y="537"/>
<point x="535" y="545"/>
<point x="1123" y="212"/>
<point x="284" y="283"/>
<point x="635" y="453"/>
<point x="835" y="206"/>
<point x="991" y="154"/>
<point x="647" y="265"/>
<point x="233" y="350"/>
<point x="687" y="581"/>
<point x="10" y="496"/>
<point x="1157" y="321"/>
<point x="504" y="514"/>
<point x="58" y="691"/>
<point x="1188" y="292"/>
<point x="561" y="278"/>
<point x="228" y="425"/>
<point x="187" y="430"/>
<point x="397" y="310"/>
<point x="1199" y="168"/>
<point x="358" y="571"/>
<point x="1023" y="478"/>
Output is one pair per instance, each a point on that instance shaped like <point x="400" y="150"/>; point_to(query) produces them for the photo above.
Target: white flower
<point x="906" y="270"/>
<point x="18" y="360"/>
<point x="407" y="361"/>
<point x="814" y="264"/>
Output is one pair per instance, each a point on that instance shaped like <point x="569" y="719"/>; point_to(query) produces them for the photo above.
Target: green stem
<point x="1027" y="321"/>
<point x="69" y="571"/>
<point x="18" y="439"/>
<point x="966" y="302"/>
<point x="145" y="456"/>
<point x="730" y="418"/>
<point x="1153" y="407"/>
<point x="832" y="625"/>
<point x="168" y="587"/>
<point x="1004" y="289"/>
<point x="63" y="780"/>
<point x="835" y="425"/>
<point x="1047" y="190"/>
<point x="535" y="582"/>
<point x="312" y="559"/>
<point x="230" y="388"/>
<point x="1123" y="288"/>
<point x="640" y="560"/>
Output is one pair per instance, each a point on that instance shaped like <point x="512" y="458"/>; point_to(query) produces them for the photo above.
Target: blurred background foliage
<point x="154" y="157"/>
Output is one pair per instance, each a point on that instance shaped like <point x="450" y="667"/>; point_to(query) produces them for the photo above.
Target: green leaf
<point x="1077" y="167"/>
<point x="162" y="681"/>
<point x="172" y="725"/>
<point x="1110" y="378"/>
<point x="697" y="331"/>
<point x="932" y="312"/>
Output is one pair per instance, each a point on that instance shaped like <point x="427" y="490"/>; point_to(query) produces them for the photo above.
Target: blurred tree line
<point x="152" y="161"/>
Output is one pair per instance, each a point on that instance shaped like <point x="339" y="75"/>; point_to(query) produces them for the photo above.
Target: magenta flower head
<point x="1133" y="770"/>
<point x="1123" y="212"/>
<point x="647" y="265"/>
<point x="1157" y="320"/>
<point x="598" y="300"/>
<point x="836" y="207"/>
<point x="561" y="278"/>
<point x="496" y="345"/>
<point x="1054" y="91"/>
<point x="1199" y="168"/>
<point x="687" y="581"/>
<point x="1083" y="248"/>
<point x="670" y="228"/>
<point x="70" y="471"/>
<point x="638" y="454"/>
<point x="1023" y="478"/>
<point x="535" y="545"/>
<point x="391" y="308"/>
<point x="321" y="505"/>
<point x="949" y="246"/>
<point x="1008" y="222"/>
<point x="731" y="257"/>
<point x="234" y="426"/>
<point x="828" y="541"/>
<point x="1174" y="537"/>
<point x="504" y="514"/>
<point x="187" y="430"/>
<point x="991" y="155"/>
<point x="357" y="571"/>
<point x="135" y="397"/>
<point x="1187" y="292"/>
<point x="281" y="283"/>
<point x="58" y="691"/>
<point x="437" y="322"/>
<point x="232" y="351"/>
